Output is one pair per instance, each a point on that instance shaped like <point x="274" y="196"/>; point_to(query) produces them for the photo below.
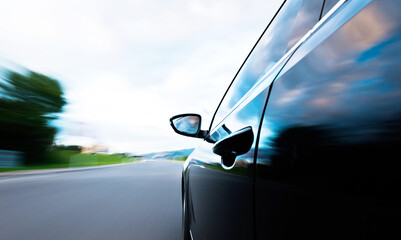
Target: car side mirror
<point x="188" y="124"/>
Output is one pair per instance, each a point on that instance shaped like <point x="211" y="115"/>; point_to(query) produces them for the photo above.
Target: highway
<point x="135" y="201"/>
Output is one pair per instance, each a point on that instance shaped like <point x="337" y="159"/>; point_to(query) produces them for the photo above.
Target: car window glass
<point x="328" y="5"/>
<point x="248" y="116"/>
<point x="295" y="19"/>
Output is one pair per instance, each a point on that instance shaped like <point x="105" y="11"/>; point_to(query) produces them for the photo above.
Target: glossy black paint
<point x="328" y="154"/>
<point x="326" y="124"/>
<point x="234" y="145"/>
<point x="220" y="196"/>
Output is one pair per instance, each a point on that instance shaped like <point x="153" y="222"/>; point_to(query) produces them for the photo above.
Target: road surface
<point x="134" y="201"/>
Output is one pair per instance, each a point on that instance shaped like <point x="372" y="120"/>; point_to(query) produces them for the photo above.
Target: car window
<point x="294" y="20"/>
<point x="328" y="5"/>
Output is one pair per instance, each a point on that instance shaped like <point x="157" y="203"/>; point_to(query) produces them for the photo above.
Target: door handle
<point x="237" y="143"/>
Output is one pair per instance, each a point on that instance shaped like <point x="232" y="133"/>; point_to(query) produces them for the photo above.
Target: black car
<point x="306" y="142"/>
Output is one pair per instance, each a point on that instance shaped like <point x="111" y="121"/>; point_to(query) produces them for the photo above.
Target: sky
<point x="127" y="66"/>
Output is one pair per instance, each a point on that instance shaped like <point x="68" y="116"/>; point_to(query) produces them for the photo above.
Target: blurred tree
<point x="27" y="104"/>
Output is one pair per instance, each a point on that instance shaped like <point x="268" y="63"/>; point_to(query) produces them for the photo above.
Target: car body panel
<point x="327" y="163"/>
<point x="229" y="191"/>
<point x="221" y="199"/>
<point x="324" y="114"/>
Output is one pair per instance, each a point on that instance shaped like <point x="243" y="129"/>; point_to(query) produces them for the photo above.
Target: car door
<point x="220" y="190"/>
<point x="327" y="165"/>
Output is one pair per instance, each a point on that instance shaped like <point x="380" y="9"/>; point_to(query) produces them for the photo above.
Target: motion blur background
<point x="105" y="76"/>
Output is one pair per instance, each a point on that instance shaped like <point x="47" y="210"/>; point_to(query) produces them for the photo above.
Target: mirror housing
<point x="237" y="143"/>
<point x="188" y="124"/>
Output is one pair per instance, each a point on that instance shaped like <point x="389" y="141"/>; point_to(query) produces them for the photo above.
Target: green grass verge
<point x="67" y="158"/>
<point x="183" y="159"/>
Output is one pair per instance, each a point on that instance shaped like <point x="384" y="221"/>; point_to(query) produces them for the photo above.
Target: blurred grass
<point x="68" y="158"/>
<point x="183" y="159"/>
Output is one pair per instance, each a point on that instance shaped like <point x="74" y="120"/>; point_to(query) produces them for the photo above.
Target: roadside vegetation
<point x="70" y="158"/>
<point x="29" y="103"/>
<point x="182" y="158"/>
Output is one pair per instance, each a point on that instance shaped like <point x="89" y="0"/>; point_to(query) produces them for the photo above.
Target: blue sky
<point x="128" y="66"/>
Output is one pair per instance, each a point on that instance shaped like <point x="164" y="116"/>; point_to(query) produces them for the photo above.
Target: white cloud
<point x="127" y="66"/>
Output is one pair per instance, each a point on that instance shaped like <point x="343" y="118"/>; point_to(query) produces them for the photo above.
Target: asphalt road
<point x="135" y="201"/>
